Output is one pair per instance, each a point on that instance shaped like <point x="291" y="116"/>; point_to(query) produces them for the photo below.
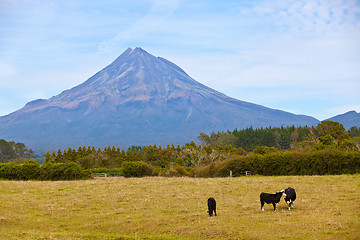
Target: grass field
<point x="327" y="207"/>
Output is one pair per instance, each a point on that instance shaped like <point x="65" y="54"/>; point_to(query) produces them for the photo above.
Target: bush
<point x="137" y="169"/>
<point x="326" y="161"/>
<point x="265" y="150"/>
<point x="63" y="171"/>
<point x="178" y="171"/>
<point x="30" y="170"/>
<point x="11" y="171"/>
<point x="206" y="171"/>
<point x="238" y="166"/>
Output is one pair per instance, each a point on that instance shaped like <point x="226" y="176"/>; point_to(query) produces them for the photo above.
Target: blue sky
<point x="298" y="56"/>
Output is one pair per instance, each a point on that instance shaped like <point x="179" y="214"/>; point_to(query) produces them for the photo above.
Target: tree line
<point x="14" y="152"/>
<point x="281" y="138"/>
<point x="162" y="159"/>
<point x="269" y="151"/>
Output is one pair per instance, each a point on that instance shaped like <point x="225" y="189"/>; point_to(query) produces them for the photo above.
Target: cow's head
<point x="283" y="193"/>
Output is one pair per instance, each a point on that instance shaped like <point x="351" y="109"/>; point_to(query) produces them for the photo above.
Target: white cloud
<point x="305" y="19"/>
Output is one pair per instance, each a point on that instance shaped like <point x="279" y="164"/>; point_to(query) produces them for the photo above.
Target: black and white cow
<point x="211" y="206"/>
<point x="271" y="198"/>
<point x="290" y="196"/>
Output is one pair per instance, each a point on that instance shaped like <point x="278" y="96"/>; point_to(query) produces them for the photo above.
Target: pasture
<point x="327" y="207"/>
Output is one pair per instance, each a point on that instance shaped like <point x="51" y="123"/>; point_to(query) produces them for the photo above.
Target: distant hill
<point x="348" y="119"/>
<point x="138" y="99"/>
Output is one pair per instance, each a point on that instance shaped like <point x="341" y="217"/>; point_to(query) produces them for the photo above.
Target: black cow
<point x="211" y="206"/>
<point x="290" y="196"/>
<point x="271" y="198"/>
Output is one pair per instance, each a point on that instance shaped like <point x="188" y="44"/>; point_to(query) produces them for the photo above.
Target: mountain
<point x="139" y="99"/>
<point x="348" y="119"/>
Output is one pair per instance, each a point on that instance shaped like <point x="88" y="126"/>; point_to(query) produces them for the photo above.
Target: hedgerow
<point x="321" y="162"/>
<point x="32" y="170"/>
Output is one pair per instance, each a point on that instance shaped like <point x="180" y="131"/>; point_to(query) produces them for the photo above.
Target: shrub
<point x="137" y="169"/>
<point x="178" y="171"/>
<point x="30" y="170"/>
<point x="63" y="171"/>
<point x="26" y="171"/>
<point x="11" y="171"/>
<point x="206" y="171"/>
<point x="321" y="162"/>
<point x="265" y="150"/>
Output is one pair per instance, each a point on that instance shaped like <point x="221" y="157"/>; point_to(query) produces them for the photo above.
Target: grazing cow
<point x="271" y="198"/>
<point x="211" y="206"/>
<point x="290" y="196"/>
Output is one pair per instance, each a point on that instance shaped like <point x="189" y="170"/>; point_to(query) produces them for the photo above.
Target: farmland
<point x="327" y="207"/>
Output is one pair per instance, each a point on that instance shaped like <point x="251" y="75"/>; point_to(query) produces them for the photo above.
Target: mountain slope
<point x="348" y="119"/>
<point x="138" y="99"/>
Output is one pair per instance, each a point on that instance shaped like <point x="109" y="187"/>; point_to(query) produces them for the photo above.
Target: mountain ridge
<point x="348" y="119"/>
<point x="138" y="99"/>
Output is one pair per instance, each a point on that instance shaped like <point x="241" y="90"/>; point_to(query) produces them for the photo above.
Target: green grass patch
<point x="327" y="207"/>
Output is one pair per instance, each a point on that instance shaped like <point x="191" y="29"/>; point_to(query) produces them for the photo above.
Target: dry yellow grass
<point x="327" y="207"/>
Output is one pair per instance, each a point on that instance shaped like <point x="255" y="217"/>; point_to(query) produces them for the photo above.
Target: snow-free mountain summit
<point x="139" y="99"/>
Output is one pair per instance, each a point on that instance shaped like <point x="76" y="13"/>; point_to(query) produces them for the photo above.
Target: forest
<point x="325" y="149"/>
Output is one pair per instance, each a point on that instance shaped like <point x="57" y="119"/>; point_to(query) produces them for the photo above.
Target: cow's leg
<point x="215" y="211"/>
<point x="210" y="212"/>
<point x="274" y="204"/>
<point x="262" y="205"/>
